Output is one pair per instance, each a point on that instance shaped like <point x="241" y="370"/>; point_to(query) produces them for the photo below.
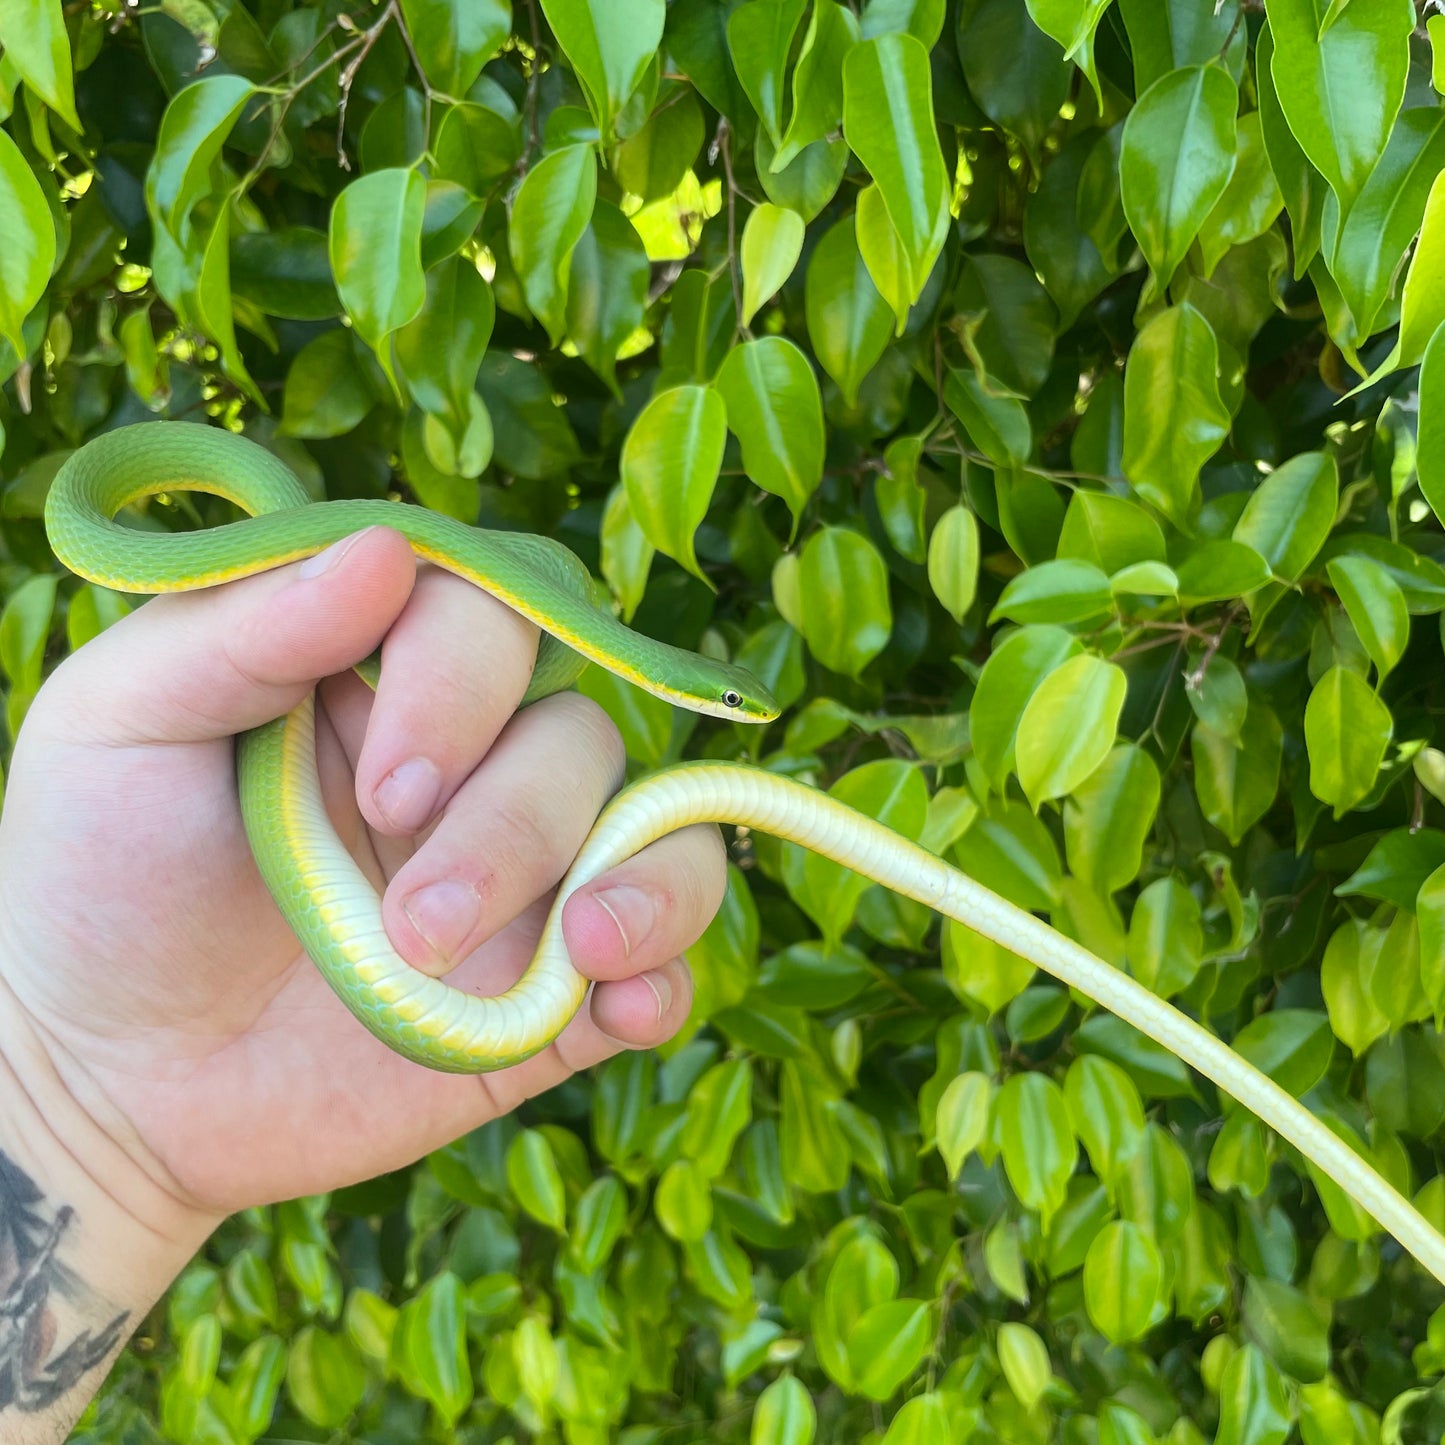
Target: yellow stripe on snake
<point x="333" y="908"/>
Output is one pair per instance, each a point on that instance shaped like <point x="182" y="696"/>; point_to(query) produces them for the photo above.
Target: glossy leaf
<point x="775" y="411"/>
<point x="1347" y="729"/>
<point x="610" y="44"/>
<point x="888" y="123"/>
<point x="1290" y="514"/>
<point x="550" y="214"/>
<point x="375" y="245"/>
<point x="34" y="39"/>
<point x="27" y="243"/>
<point x="1315" y="64"/>
<point x="670" y="464"/>
<point x="849" y="322"/>
<point x="1177" y="157"/>
<point x="1122" y="1275"/>
<point x="772" y="242"/>
<point x="1174" y="418"/>
<point x="1068" y="727"/>
<point x="953" y="550"/>
<point x="1376" y="607"/>
<point x="454" y="39"/>
<point x="1038" y="1145"/>
<point x="847" y="618"/>
<point x="784" y="1414"/>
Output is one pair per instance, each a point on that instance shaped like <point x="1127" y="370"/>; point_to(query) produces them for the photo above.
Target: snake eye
<point x="732" y="699"/>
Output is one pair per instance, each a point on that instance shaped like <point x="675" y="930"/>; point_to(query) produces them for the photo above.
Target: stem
<point x="724" y="145"/>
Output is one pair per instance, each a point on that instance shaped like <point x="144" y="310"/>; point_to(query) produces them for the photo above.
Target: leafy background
<point x="1048" y="401"/>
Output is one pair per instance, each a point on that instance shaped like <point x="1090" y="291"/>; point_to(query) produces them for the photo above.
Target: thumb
<point x="196" y="666"/>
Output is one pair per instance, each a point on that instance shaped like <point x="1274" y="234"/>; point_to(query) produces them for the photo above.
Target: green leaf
<point x="775" y="411"/>
<point x="1289" y="1326"/>
<point x="1302" y="185"/>
<point x="888" y="123"/>
<point x="1340" y="86"/>
<point x="606" y="289"/>
<point x="454" y="39"/>
<point x="375" y="246"/>
<point x="1109" y="816"/>
<point x="818" y="80"/>
<point x="1106" y="1111"/>
<point x="1166" y="937"/>
<point x="1122" y="1275"/>
<point x="1072" y="23"/>
<point x="888" y="1344"/>
<point x="1006" y="683"/>
<point x="1292" y="1046"/>
<point x="535" y="1180"/>
<point x="27" y="243"/>
<point x="609" y="44"/>
<point x="599" y="1222"/>
<point x="1177" y="157"/>
<point x="1065" y="590"/>
<point x="849" y="322"/>
<point x="1067" y="729"/>
<point x="1024" y="1360"/>
<point x="1387" y="215"/>
<point x="550" y="214"/>
<point x="1289" y="515"/>
<point x="1218" y="696"/>
<point x="1250" y="201"/>
<point x="475" y="147"/>
<point x="195" y="126"/>
<point x="326" y="389"/>
<point x="1174" y="418"/>
<point x="1375" y="605"/>
<point x="1059" y="245"/>
<point x="429" y="1346"/>
<point x="325" y="1378"/>
<point x="1236" y="779"/>
<point x="847" y="618"/>
<point x="718" y="1110"/>
<point x="626" y="554"/>
<point x="1017" y="74"/>
<point x="1039" y="1151"/>
<point x="683" y="1203"/>
<point x="1347" y="729"/>
<point x="1167" y="34"/>
<point x="1431" y="458"/>
<point x="670" y="465"/>
<point x="34" y="39"/>
<point x="998" y="425"/>
<point x="962" y="1119"/>
<point x="772" y="243"/>
<point x="1220" y="569"/>
<point x="760" y="36"/>
<point x="784" y="1414"/>
<point x="923" y="1419"/>
<point x="953" y="553"/>
<point x="1006" y="323"/>
<point x="1253" y="1406"/>
<point x="655" y="161"/>
<point x="440" y="352"/>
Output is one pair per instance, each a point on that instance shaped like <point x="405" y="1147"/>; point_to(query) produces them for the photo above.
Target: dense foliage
<point x="990" y="377"/>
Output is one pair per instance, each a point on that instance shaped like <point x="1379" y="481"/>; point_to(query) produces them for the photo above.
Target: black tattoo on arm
<point x="36" y="1366"/>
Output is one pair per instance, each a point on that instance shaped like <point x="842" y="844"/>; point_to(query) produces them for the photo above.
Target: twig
<point x="723" y="144"/>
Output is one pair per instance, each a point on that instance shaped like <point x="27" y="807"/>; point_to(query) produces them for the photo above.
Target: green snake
<point x="333" y="908"/>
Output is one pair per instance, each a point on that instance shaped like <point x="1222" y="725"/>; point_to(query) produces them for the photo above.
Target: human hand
<point x="154" y="976"/>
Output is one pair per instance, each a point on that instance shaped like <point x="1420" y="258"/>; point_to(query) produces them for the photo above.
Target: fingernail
<point x="444" y="914"/>
<point x="325" y="561"/>
<point x="661" y="991"/>
<point x="632" y="910"/>
<point x="407" y="796"/>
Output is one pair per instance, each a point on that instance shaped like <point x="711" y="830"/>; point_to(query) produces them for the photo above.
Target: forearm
<point x="88" y="1242"/>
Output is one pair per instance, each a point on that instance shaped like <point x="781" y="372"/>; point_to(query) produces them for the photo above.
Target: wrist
<point x="90" y="1235"/>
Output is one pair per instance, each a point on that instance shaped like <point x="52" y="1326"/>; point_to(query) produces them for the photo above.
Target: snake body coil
<point x="333" y="908"/>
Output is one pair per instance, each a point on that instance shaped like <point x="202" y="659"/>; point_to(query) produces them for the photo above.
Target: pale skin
<point x="168" y="1055"/>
